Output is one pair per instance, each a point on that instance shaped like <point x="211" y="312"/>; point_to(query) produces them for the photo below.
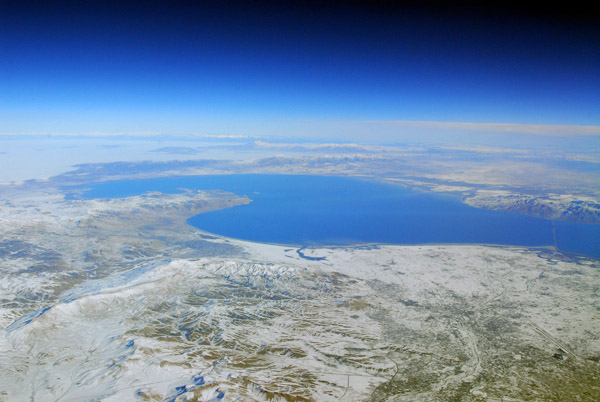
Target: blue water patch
<point x="178" y="391"/>
<point x="198" y="380"/>
<point x="320" y="210"/>
<point x="26" y="319"/>
<point x="578" y="238"/>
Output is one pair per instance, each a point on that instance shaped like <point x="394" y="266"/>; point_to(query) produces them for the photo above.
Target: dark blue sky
<point x="220" y="67"/>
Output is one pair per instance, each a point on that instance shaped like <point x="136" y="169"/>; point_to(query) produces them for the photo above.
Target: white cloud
<point x="535" y="129"/>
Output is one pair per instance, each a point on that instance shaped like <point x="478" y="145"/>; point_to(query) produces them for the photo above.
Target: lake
<point x="322" y="210"/>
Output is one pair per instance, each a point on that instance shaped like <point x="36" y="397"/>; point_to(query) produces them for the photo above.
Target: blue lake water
<point x="320" y="210"/>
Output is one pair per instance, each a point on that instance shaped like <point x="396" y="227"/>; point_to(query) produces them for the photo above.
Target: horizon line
<point x="555" y="130"/>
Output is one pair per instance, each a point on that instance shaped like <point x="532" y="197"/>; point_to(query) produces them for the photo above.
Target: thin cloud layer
<point x="535" y="129"/>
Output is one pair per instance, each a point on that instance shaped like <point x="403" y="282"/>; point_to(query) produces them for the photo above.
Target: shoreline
<point x="351" y="244"/>
<point x="463" y="191"/>
<point x="375" y="244"/>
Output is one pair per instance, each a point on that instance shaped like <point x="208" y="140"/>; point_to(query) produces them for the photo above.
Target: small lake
<point x="321" y="210"/>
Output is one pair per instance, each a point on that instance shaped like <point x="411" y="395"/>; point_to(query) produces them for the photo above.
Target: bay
<point x="324" y="210"/>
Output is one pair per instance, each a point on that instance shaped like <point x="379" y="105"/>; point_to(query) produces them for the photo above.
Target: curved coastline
<point x="443" y="213"/>
<point x="366" y="245"/>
